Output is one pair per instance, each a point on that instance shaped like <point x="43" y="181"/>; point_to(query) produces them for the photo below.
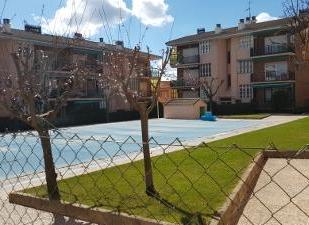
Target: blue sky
<point x="158" y="16"/>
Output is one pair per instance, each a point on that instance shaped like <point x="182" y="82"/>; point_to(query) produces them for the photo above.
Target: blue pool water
<point x="22" y="154"/>
<point x="164" y="130"/>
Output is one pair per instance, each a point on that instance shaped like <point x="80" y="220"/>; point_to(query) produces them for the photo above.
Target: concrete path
<point x="281" y="195"/>
<point x="13" y="215"/>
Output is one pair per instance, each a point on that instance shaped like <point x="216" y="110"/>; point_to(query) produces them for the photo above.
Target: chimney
<point x="6" y="25"/>
<point x="253" y="19"/>
<point x="101" y="42"/>
<point x="218" y="29"/>
<point x="241" y="24"/>
<point x="119" y="44"/>
<point x="78" y="35"/>
<point x="304" y="11"/>
<point x="200" y="30"/>
<point x="248" y="20"/>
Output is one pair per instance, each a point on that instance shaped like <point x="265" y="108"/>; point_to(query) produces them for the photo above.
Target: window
<point x="134" y="84"/>
<point x="275" y="44"/>
<point x="276" y="71"/>
<point x="245" y="91"/>
<point x="229" y="57"/>
<point x="268" y="94"/>
<point x="204" y="47"/>
<point x="246" y="42"/>
<point x="276" y="40"/>
<point x="205" y="70"/>
<point x="292" y="39"/>
<point x="229" y="81"/>
<point x="203" y="94"/>
<point x="245" y="66"/>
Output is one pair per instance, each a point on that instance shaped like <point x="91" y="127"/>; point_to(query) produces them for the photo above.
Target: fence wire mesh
<point x="193" y="184"/>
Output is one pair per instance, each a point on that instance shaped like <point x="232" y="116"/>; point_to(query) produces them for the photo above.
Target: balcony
<point x="184" y="60"/>
<point x="273" y="76"/>
<point x="55" y="93"/>
<point x="269" y="50"/>
<point x="184" y="84"/>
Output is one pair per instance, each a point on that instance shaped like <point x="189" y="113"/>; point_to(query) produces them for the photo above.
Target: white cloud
<point x="85" y="16"/>
<point x="264" y="16"/>
<point x="89" y="16"/>
<point x="151" y="12"/>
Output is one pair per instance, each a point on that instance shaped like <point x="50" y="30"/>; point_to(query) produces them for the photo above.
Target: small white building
<point x="184" y="108"/>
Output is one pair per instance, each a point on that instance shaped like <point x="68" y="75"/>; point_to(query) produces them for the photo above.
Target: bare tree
<point x="24" y="96"/>
<point x="210" y="88"/>
<point x="107" y="92"/>
<point x="297" y="12"/>
<point x="128" y="72"/>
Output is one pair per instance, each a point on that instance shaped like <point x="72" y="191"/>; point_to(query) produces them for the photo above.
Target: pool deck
<point x="11" y="214"/>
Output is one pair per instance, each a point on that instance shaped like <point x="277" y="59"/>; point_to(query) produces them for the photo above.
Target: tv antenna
<point x="249" y="7"/>
<point x="42" y="14"/>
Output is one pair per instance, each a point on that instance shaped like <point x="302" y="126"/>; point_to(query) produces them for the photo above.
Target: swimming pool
<point x="22" y="153"/>
<point x="165" y="130"/>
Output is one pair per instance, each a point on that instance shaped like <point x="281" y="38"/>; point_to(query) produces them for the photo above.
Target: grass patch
<point x="194" y="180"/>
<point x="289" y="136"/>
<point x="257" y="116"/>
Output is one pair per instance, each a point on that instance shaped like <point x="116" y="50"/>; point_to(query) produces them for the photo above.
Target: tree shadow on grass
<point x="188" y="218"/>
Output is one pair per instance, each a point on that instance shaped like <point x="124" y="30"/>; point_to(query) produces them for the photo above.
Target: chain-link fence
<point x="101" y="180"/>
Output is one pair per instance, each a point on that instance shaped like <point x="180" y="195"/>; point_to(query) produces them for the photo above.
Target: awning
<point x="86" y="101"/>
<point x="274" y="57"/>
<point x="272" y="85"/>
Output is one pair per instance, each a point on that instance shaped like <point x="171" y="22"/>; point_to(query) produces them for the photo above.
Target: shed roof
<point x="183" y="101"/>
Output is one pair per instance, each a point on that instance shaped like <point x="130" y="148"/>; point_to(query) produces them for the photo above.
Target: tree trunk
<point x="50" y="173"/>
<point x="150" y="190"/>
<point x="210" y="105"/>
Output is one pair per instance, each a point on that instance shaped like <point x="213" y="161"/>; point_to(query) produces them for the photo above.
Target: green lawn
<point x="257" y="116"/>
<point x="193" y="180"/>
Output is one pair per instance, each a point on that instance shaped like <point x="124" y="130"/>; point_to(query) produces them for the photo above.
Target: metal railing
<point x="182" y="60"/>
<point x="101" y="177"/>
<point x="271" y="76"/>
<point x="271" y="50"/>
<point x="184" y="83"/>
<point x="276" y="76"/>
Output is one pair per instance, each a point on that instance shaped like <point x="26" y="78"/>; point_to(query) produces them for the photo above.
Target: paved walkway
<point x="281" y="196"/>
<point x="13" y="215"/>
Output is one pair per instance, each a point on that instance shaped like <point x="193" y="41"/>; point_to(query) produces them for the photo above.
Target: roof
<point x="62" y="41"/>
<point x="250" y="28"/>
<point x="183" y="101"/>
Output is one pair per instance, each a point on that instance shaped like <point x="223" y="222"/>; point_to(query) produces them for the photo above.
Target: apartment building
<point x="253" y="61"/>
<point x="64" y="54"/>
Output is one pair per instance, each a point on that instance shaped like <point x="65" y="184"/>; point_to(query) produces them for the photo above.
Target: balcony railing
<point x="182" y="60"/>
<point x="271" y="50"/>
<point x="55" y="93"/>
<point x="273" y="76"/>
<point x="184" y="84"/>
<point x="190" y="59"/>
